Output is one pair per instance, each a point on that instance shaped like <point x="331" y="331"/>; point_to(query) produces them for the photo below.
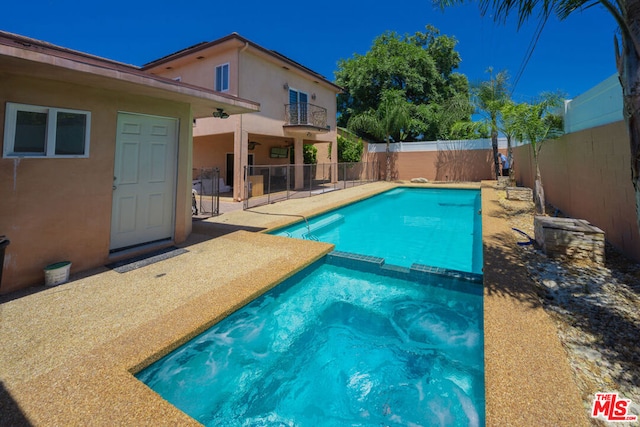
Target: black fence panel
<point x="272" y="183"/>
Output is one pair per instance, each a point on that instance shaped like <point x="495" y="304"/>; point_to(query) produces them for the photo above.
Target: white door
<point x="144" y="180"/>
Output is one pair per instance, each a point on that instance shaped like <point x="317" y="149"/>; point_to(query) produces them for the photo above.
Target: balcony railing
<point x="306" y="115"/>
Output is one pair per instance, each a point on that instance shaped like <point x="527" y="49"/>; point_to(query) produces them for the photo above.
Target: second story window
<point x="222" y="78"/>
<point x="298" y="106"/>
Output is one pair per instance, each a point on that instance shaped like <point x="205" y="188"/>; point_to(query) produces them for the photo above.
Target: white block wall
<point x="600" y="105"/>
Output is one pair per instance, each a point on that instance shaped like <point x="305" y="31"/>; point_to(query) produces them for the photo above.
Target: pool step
<point x="355" y="261"/>
<point x="418" y="269"/>
<point x="417" y="272"/>
<point x="329" y="221"/>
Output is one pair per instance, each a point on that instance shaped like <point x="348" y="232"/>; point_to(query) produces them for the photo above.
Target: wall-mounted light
<point x="285" y="86"/>
<point x="220" y="114"/>
<point x="313" y="96"/>
<point x="252" y="144"/>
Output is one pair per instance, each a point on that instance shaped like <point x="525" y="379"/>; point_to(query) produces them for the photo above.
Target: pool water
<point x="333" y="346"/>
<point x="433" y="227"/>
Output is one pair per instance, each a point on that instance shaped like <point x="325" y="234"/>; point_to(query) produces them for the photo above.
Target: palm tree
<point x="535" y="123"/>
<point x="627" y="15"/>
<point x="387" y="122"/>
<point x="509" y="114"/>
<point x="490" y="96"/>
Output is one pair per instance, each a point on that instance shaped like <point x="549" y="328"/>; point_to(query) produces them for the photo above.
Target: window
<point x="298" y="108"/>
<point x="222" y="78"/>
<point x="34" y="131"/>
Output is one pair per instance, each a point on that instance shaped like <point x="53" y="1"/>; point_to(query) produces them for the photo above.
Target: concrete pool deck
<point x="68" y="352"/>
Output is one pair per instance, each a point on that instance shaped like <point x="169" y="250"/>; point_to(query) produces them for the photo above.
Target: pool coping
<point x="527" y="376"/>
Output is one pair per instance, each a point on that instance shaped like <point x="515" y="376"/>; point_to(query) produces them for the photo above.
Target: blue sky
<point x="571" y="56"/>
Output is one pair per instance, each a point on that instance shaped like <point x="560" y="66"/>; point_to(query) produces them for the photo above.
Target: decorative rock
<point x="503" y="181"/>
<point x="596" y="311"/>
<point x="569" y="238"/>
<point x="520" y="193"/>
<point x="419" y="180"/>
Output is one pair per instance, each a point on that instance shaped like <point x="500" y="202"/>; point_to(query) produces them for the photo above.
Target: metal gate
<point x="205" y="192"/>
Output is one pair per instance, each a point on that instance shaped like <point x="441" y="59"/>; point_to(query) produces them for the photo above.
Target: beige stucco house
<point x="297" y="107"/>
<point x="96" y="158"/>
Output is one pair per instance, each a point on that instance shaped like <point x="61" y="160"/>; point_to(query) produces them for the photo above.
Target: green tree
<point x="421" y="65"/>
<point x="387" y="122"/>
<point x="536" y="123"/>
<point x="469" y="130"/>
<point x="490" y="96"/>
<point x="450" y="117"/>
<point x="350" y="148"/>
<point x="627" y="53"/>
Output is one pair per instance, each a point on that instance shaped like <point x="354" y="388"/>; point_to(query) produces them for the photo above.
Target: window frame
<point x="302" y="107"/>
<point x="10" y="127"/>
<point x="222" y="67"/>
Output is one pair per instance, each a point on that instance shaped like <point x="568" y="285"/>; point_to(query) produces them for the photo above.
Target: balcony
<point x="305" y="117"/>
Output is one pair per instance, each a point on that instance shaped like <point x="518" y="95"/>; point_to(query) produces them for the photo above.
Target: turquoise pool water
<point x="335" y="346"/>
<point x="434" y="227"/>
<point x="381" y="339"/>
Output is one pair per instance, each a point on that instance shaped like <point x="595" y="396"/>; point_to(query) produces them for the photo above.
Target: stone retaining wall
<point x="569" y="238"/>
<point x="520" y="193"/>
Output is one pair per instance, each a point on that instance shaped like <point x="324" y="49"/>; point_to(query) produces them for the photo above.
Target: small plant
<point x="309" y="154"/>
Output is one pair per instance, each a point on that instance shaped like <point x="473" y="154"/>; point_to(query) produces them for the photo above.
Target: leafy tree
<point x="535" y="123"/>
<point x="350" y="149"/>
<point x="627" y="15"/>
<point x="469" y="130"/>
<point x="421" y="66"/>
<point x="387" y="122"/>
<point x="490" y="96"/>
<point x="450" y="116"/>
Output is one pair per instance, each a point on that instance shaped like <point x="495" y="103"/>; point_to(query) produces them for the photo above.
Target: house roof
<point x="242" y="42"/>
<point x="39" y="59"/>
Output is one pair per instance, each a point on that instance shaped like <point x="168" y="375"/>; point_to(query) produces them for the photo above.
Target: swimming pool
<point x="405" y="226"/>
<point x="335" y="346"/>
<point x="376" y="333"/>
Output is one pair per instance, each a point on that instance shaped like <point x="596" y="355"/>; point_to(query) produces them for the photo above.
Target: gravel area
<point x="597" y="312"/>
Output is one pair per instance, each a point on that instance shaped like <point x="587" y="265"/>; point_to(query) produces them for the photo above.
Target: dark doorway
<point x="230" y="160"/>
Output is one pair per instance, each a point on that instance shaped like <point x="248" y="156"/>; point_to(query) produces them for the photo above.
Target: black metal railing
<point x="305" y="114"/>
<point x="266" y="184"/>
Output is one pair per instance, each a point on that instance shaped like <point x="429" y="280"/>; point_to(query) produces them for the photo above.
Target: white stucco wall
<point x="406" y="147"/>
<point x="600" y="105"/>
